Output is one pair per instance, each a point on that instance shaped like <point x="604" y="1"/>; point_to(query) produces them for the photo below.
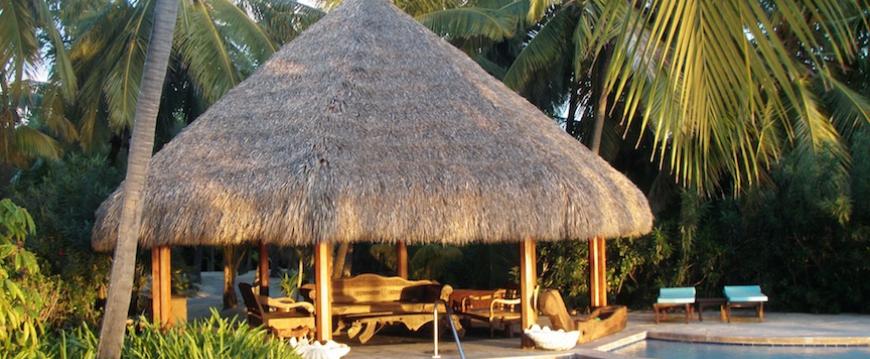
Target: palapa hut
<point x="369" y="127"/>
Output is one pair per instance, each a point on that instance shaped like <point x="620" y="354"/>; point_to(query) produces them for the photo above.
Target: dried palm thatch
<point x="368" y="127"/>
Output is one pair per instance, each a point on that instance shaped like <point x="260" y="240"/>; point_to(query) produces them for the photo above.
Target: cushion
<point x="753" y="298"/>
<point x="677" y="295"/>
<point x="744" y="293"/>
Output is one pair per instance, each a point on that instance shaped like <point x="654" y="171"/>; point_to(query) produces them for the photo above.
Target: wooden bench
<point x="366" y="303"/>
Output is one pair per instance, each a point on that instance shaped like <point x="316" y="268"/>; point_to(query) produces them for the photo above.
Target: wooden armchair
<point x="282" y="316"/>
<point x="497" y="308"/>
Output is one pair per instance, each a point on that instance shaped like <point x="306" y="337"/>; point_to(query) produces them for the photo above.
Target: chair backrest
<point x="677" y="293"/>
<point x="550" y="304"/>
<point x="742" y="291"/>
<point x="375" y="288"/>
<point x="251" y="303"/>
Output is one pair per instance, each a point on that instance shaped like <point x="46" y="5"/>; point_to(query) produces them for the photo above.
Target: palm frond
<point x="128" y="50"/>
<point x="52" y="113"/>
<point x="203" y="48"/>
<point x="711" y="80"/>
<point x="19" y="46"/>
<point x="537" y="8"/>
<point x="283" y="20"/>
<point x="469" y="22"/>
<point x="849" y="109"/>
<point x="244" y="30"/>
<point x="62" y="65"/>
<point x="551" y="43"/>
<point x="33" y="143"/>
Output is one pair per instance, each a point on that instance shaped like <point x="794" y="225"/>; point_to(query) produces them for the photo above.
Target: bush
<point x="23" y="289"/>
<point x="215" y="337"/>
<point x="63" y="196"/>
<point x="804" y="236"/>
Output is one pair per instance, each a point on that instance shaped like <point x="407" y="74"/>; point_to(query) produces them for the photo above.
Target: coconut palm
<point x="216" y="45"/>
<point x="723" y="88"/>
<point x="145" y="118"/>
<point x="30" y="122"/>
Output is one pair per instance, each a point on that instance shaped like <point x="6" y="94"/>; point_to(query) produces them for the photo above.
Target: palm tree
<point x="216" y="45"/>
<point x="24" y="101"/>
<point x="145" y="117"/>
<point x="723" y="88"/>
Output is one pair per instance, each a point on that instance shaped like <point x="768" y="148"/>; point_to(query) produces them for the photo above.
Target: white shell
<point x="316" y="350"/>
<point x="548" y="339"/>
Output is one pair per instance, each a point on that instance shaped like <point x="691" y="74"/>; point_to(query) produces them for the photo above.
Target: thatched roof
<point x="368" y="127"/>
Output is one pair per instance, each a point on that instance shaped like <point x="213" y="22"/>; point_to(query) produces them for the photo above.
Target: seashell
<point x="548" y="339"/>
<point x="317" y="350"/>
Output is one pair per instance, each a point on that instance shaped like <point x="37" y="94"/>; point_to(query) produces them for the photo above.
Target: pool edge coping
<point x="643" y="334"/>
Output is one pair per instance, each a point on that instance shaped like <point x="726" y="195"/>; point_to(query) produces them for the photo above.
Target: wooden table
<point x="702" y="303"/>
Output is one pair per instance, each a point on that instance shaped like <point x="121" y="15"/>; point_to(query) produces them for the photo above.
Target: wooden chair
<point x="601" y="322"/>
<point x="744" y="296"/>
<point x="284" y="317"/>
<point x="674" y="298"/>
<point x="497" y="308"/>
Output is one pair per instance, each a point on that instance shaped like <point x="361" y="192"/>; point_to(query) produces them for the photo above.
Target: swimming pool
<point x="652" y="348"/>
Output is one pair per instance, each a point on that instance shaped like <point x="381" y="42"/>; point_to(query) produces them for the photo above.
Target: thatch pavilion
<point x="368" y="127"/>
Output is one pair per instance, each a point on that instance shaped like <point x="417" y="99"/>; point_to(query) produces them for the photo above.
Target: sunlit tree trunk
<point x="231" y="262"/>
<point x="600" y="99"/>
<point x="141" y="146"/>
<point x="340" y="259"/>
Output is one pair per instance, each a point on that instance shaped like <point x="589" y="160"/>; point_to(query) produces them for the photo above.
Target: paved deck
<point x="778" y="328"/>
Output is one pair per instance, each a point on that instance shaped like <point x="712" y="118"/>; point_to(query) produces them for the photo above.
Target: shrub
<point x="63" y="196"/>
<point x="22" y="287"/>
<point x="214" y="337"/>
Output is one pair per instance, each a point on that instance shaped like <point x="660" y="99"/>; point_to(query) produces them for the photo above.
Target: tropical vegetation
<point x="744" y="121"/>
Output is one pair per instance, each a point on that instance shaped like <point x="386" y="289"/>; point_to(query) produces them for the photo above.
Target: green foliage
<point x="22" y="286"/>
<point x="216" y="45"/>
<point x="214" y="337"/>
<point x="803" y="237"/>
<point x="63" y="196"/>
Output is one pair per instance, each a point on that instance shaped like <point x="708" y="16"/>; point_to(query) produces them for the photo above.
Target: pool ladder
<point x="452" y="329"/>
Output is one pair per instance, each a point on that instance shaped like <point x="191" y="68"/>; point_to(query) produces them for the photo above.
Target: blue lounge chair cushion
<point x="744" y="293"/>
<point x="678" y="295"/>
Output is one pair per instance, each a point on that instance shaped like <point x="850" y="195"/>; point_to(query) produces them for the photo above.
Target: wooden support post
<point x="323" y="292"/>
<point x="602" y="272"/>
<point x="402" y="259"/>
<point x="597" y="272"/>
<point x="161" y="286"/>
<point x="156" y="310"/>
<point x="263" y="269"/>
<point x="528" y="281"/>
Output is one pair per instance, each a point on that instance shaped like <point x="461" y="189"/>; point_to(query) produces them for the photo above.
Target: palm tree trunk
<point x="142" y="144"/>
<point x="600" y="99"/>
<point x="340" y="259"/>
<point x="230" y="263"/>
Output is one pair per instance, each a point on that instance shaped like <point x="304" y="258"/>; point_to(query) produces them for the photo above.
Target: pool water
<point x="668" y="349"/>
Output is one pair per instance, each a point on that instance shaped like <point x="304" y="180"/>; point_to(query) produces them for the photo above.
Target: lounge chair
<point x="600" y="323"/>
<point x="497" y="308"/>
<point x="744" y="296"/>
<point x="282" y="316"/>
<point x="673" y="298"/>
